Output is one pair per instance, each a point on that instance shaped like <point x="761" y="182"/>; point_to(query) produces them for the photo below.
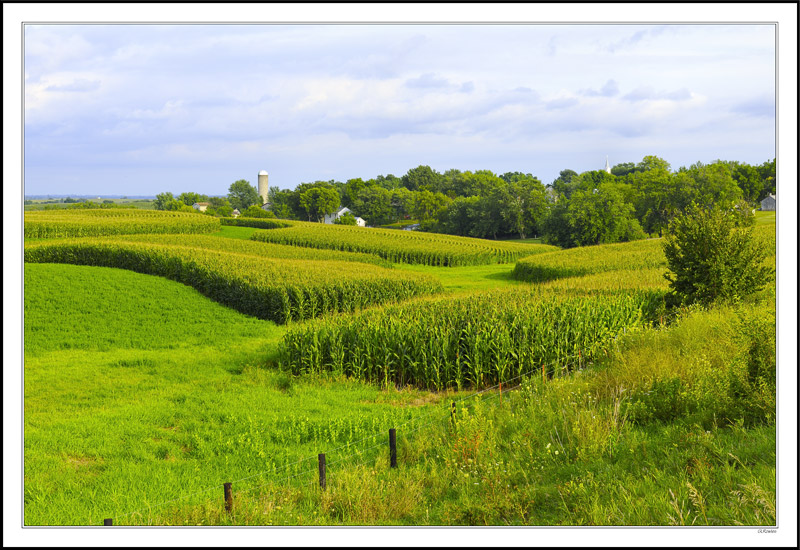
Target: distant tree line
<point x="594" y="207"/>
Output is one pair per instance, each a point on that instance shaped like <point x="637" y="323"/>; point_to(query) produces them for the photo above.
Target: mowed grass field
<point x="142" y="397"/>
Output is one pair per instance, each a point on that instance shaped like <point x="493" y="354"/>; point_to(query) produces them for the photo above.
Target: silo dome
<point x="263" y="173"/>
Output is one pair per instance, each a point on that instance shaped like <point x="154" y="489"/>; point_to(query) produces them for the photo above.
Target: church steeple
<point x="608" y="168"/>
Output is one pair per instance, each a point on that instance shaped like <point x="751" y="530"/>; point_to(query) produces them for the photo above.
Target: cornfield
<point x="50" y="224"/>
<point x="411" y="247"/>
<point x="253" y="248"/>
<point x="589" y="260"/>
<point x="261" y="223"/>
<point x="281" y="290"/>
<point x="474" y="341"/>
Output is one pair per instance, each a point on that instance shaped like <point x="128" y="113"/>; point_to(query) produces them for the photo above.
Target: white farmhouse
<point x="768" y="203"/>
<point x="201" y="206"/>
<point x="330" y="218"/>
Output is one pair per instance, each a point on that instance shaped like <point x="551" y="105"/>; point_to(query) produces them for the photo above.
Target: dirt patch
<point x="82" y="462"/>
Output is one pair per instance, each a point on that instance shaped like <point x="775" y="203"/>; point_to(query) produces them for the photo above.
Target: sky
<point x="139" y="109"/>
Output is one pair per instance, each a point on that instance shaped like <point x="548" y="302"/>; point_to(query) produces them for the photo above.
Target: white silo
<point x="263" y="186"/>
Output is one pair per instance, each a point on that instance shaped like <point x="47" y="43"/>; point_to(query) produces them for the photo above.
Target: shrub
<point x="713" y="255"/>
<point x="254" y="211"/>
<point x="345" y="219"/>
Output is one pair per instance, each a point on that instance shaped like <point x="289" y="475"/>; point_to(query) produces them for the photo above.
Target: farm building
<point x="201" y="206"/>
<point x="330" y="218"/>
<point x="768" y="203"/>
<point x="236" y="213"/>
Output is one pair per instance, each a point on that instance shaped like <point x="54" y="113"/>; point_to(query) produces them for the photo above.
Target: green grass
<point x="467" y="278"/>
<point x="180" y="403"/>
<point x="765" y="217"/>
<point x="58" y="315"/>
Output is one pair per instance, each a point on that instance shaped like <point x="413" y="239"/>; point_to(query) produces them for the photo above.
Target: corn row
<point x="472" y="341"/>
<point x="261" y="223"/>
<point x="253" y="248"/>
<point x="412" y="247"/>
<point x="281" y="290"/>
<point x="50" y="224"/>
<point x="589" y="260"/>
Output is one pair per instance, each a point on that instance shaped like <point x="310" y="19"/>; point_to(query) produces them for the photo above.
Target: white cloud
<point x="216" y="95"/>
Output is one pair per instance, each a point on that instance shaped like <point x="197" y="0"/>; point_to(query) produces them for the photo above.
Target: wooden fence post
<point x="392" y="448"/>
<point x="228" y="497"/>
<point x="322" y="481"/>
<point x="108" y="521"/>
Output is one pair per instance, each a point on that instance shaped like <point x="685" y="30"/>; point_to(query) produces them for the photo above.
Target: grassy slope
<point x="113" y="423"/>
<point x="116" y="425"/>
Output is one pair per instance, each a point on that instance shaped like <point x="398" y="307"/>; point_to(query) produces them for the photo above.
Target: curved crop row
<point x="280" y="290"/>
<point x="261" y="223"/>
<point x="412" y="247"/>
<point x="253" y="248"/>
<point x="50" y="224"/>
<point x="589" y="260"/>
<point x="476" y="340"/>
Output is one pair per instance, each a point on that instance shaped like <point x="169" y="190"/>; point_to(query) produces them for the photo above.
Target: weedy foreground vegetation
<point x="575" y="400"/>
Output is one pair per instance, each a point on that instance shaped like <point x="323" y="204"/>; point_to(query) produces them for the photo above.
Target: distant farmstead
<point x="768" y="203"/>
<point x="330" y="218"/>
<point x="201" y="206"/>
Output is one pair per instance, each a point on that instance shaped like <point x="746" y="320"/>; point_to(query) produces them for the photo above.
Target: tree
<point x="623" y="169"/>
<point x="428" y="205"/>
<point x="319" y="201"/>
<point x="225" y="211"/>
<point x="374" y="204"/>
<point x="423" y="178"/>
<point x="592" y="217"/>
<point x="748" y="179"/>
<point x="346" y="219"/>
<point x="241" y="195"/>
<point x="715" y="185"/>
<point x="767" y="173"/>
<point x="523" y="205"/>
<point x="560" y="184"/>
<point x="712" y="255"/>
<point x="163" y="200"/>
<point x="189" y="198"/>
<point x="402" y="202"/>
<point x="351" y="190"/>
<point x="217" y="202"/>
<point x="602" y="216"/>
<point x="652" y="162"/>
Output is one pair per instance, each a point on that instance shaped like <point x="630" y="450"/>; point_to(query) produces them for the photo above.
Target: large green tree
<point x="712" y="255"/>
<point x="593" y="217"/>
<point x="428" y="204"/>
<point x="423" y="178"/>
<point x="319" y="202"/>
<point x="162" y="201"/>
<point x="715" y="184"/>
<point x="523" y="205"/>
<point x="189" y="198"/>
<point x="374" y="204"/>
<point x="241" y="195"/>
